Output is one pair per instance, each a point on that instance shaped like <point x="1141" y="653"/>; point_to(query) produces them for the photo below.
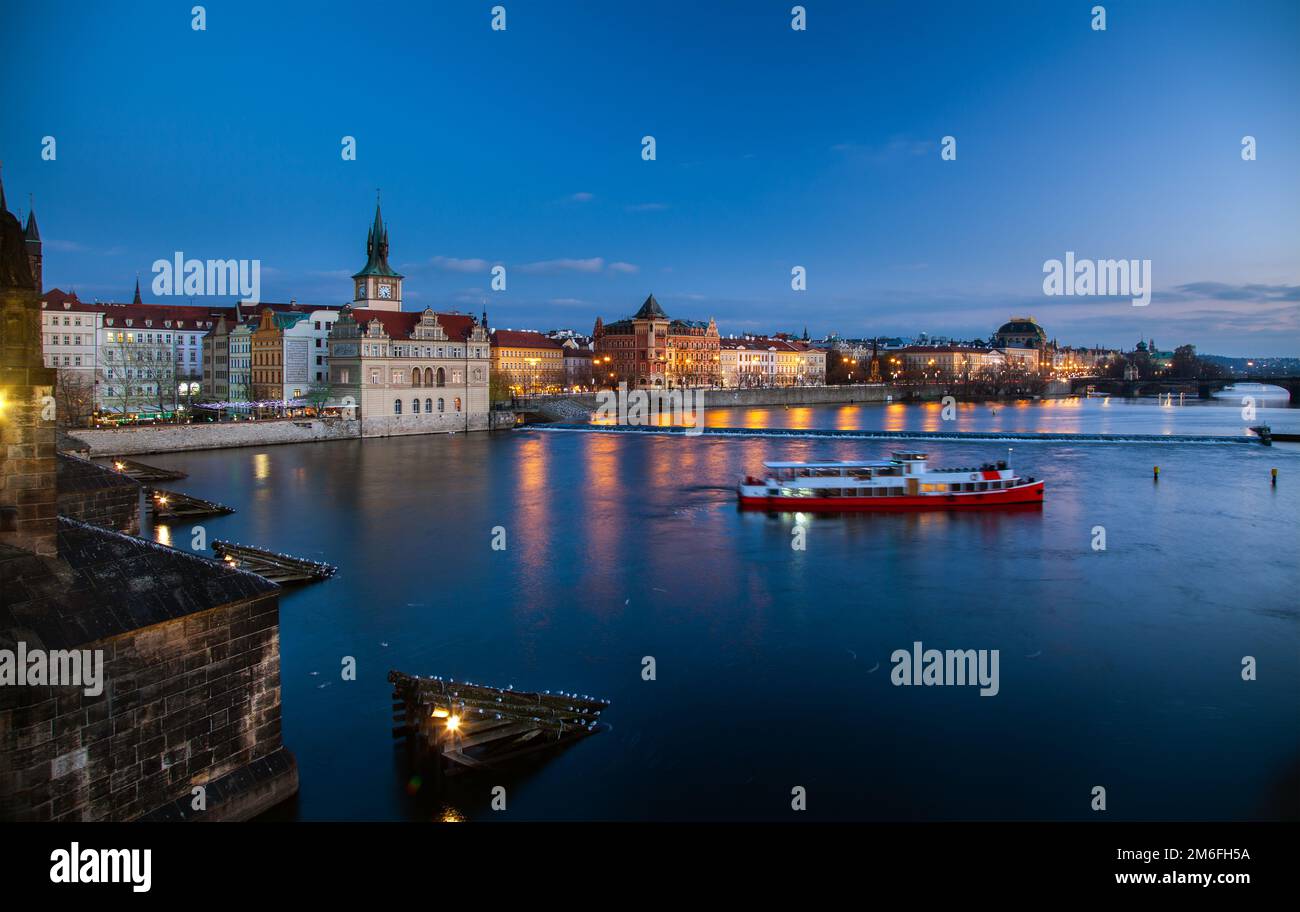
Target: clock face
<point x="385" y="291"/>
<point x="361" y="291"/>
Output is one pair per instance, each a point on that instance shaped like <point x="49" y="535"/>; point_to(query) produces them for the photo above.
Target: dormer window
<point x="129" y="322"/>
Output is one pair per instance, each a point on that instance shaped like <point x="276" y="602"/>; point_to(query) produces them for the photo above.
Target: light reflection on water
<point x="1124" y="661"/>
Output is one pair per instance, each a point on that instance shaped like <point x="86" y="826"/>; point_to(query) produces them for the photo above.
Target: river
<point x="1119" y="668"/>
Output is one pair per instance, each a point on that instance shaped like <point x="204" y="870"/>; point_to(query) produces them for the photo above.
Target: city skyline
<point x="826" y="155"/>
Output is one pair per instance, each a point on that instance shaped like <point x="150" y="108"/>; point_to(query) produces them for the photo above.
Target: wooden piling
<point x="279" y="568"/>
<point x="494" y="725"/>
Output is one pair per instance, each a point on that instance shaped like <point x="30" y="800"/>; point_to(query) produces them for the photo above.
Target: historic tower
<point x="28" y="470"/>
<point x="33" y="241"/>
<point x="378" y="287"/>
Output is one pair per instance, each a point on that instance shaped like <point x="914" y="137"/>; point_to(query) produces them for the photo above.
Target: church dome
<point x="1021" y="331"/>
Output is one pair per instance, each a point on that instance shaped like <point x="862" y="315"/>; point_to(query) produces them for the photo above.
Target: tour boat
<point x="902" y="483"/>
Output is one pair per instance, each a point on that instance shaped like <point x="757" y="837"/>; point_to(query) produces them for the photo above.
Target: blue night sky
<point x="775" y="148"/>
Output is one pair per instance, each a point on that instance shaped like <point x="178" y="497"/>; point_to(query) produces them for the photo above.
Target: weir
<point x="895" y="435"/>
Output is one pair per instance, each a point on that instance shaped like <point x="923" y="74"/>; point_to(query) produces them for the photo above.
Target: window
<point x="442" y="377"/>
<point x="428" y="376"/>
<point x="442" y="406"/>
<point x="415" y="379"/>
<point x="428" y="406"/>
<point x="457" y="401"/>
<point x="415" y="406"/>
<point x="397" y="406"/>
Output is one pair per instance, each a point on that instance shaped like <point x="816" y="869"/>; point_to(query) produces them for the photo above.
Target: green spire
<point x="377" y="250"/>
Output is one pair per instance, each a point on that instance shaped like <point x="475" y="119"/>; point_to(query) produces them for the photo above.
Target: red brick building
<point x="651" y="351"/>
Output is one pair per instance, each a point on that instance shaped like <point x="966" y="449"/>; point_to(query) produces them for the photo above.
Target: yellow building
<point x="528" y="361"/>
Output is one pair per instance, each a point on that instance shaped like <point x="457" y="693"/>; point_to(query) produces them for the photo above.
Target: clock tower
<point x="377" y="286"/>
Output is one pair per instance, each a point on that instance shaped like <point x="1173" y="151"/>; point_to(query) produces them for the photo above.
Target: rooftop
<point x="105" y="583"/>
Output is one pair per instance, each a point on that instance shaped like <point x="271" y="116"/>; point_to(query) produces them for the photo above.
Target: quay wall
<point x="577" y="408"/>
<point x="171" y="438"/>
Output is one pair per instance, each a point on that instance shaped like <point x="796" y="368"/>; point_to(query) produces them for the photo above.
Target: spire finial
<point x="136" y="299"/>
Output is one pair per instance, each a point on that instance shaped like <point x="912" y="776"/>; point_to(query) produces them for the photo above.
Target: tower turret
<point x="378" y="285"/>
<point x="32" y="236"/>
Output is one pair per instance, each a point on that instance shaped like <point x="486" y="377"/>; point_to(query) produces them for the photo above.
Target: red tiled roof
<point x="399" y="324"/>
<point x="944" y="350"/>
<point x="183" y="316"/>
<point x="763" y="345"/>
<point x="56" y="297"/>
<point x="522" y="339"/>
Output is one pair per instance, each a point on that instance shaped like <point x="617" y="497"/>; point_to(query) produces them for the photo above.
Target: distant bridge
<point x="1204" y="389"/>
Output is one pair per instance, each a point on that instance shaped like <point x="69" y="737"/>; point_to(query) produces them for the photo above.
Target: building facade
<point x="410" y="373"/>
<point x="579" y="372"/>
<point x="762" y="362"/>
<point x="216" y="361"/>
<point x="651" y="351"/>
<point x="241" y="363"/>
<point x="528" y="362"/>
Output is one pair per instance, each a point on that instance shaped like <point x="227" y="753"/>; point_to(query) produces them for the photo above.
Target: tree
<point x="498" y="387"/>
<point x="74" y="398"/>
<point x="318" y="395"/>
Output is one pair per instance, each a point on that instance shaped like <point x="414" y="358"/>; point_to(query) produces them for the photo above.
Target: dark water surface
<point x="1118" y="668"/>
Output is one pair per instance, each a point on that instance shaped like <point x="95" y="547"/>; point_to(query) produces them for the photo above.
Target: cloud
<point x="648" y="207"/>
<point x="895" y="149"/>
<point x="550" y="267"/>
<point x="625" y="268"/>
<point x="64" y="246"/>
<point x="453" y="264"/>
<point x="1221" y="291"/>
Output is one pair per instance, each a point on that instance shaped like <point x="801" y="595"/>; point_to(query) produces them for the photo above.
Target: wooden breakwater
<point x="453" y="727"/>
<point x="170" y="505"/>
<point x="278" y="568"/>
<point x="145" y="473"/>
<point x="893" y="435"/>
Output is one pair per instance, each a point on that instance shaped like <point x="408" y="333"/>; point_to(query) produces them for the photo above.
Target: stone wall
<point x="578" y="408"/>
<point x="402" y="425"/>
<point x="168" y="438"/>
<point x="94" y="494"/>
<point x="185" y="703"/>
<point x="808" y="395"/>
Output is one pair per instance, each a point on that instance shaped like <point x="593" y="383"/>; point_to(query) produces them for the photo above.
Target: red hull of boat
<point x="1025" y="495"/>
